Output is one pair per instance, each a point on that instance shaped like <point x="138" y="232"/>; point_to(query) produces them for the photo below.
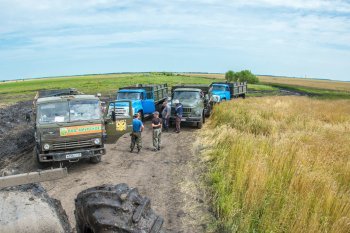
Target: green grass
<point x="11" y="92"/>
<point x="261" y="87"/>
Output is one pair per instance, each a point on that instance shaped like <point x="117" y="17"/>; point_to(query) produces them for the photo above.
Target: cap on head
<point x="156" y="113"/>
<point x="176" y="101"/>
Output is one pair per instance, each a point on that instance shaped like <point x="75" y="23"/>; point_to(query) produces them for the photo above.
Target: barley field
<point x="279" y="164"/>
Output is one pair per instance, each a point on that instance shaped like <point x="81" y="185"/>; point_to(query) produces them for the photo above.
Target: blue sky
<point x="303" y="38"/>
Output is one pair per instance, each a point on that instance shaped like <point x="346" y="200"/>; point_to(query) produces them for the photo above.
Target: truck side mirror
<point x="113" y="116"/>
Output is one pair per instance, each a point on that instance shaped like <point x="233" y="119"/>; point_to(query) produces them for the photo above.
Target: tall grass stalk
<point x="280" y="164"/>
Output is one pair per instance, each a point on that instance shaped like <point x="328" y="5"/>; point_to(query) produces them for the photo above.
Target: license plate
<point x="72" y="156"/>
<point x="183" y="119"/>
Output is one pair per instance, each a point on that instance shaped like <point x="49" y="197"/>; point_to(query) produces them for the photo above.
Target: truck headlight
<point x="97" y="141"/>
<point x="215" y="98"/>
<point x="46" y="146"/>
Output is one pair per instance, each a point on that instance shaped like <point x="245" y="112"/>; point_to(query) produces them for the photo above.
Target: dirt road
<point x="168" y="177"/>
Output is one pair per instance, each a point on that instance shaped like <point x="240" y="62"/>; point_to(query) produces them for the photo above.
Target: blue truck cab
<point x="145" y="99"/>
<point x="223" y="91"/>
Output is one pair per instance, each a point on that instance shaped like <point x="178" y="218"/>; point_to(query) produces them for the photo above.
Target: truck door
<point x="227" y="93"/>
<point x="118" y="124"/>
<point x="147" y="104"/>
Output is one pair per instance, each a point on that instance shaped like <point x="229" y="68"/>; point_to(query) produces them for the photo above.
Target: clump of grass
<point x="280" y="164"/>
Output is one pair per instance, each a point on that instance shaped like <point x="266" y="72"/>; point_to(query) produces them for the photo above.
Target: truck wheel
<point x="223" y="100"/>
<point x="37" y="162"/>
<point x="203" y="117"/>
<point x="243" y="96"/>
<point x="115" y="208"/>
<point x="95" y="159"/>
<point x="200" y="124"/>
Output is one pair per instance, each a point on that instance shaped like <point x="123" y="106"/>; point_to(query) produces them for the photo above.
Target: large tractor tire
<point x="28" y="208"/>
<point x="118" y="208"/>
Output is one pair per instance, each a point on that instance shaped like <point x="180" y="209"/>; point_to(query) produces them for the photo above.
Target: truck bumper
<point x="71" y="155"/>
<point x="188" y="119"/>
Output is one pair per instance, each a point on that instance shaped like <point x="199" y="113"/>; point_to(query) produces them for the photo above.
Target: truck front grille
<point x="72" y="144"/>
<point x="186" y="112"/>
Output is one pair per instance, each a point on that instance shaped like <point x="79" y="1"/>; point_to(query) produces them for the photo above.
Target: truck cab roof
<point x="60" y="98"/>
<point x="131" y="90"/>
<point x="188" y="89"/>
<point x="220" y="84"/>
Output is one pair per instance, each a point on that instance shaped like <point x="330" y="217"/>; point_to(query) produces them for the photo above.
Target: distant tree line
<point x="241" y="76"/>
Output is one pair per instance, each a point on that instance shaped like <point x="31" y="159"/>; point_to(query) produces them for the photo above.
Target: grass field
<point x="107" y="84"/>
<point x="312" y="83"/>
<point x="91" y="84"/>
<point x="325" y="89"/>
<point x="280" y="164"/>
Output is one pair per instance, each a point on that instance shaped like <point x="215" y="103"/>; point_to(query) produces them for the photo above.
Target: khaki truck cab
<point x="70" y="126"/>
<point x="195" y="102"/>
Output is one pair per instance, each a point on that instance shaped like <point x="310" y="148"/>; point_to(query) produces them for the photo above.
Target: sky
<point x="297" y="38"/>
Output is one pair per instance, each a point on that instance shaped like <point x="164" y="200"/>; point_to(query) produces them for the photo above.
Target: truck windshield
<point x="219" y="88"/>
<point x="185" y="95"/>
<point x="69" y="111"/>
<point x="129" y="96"/>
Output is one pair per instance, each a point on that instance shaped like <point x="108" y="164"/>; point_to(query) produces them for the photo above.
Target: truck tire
<point x="223" y="100"/>
<point x="38" y="164"/>
<point x="95" y="159"/>
<point x="200" y="124"/>
<point x="243" y="96"/>
<point x="115" y="208"/>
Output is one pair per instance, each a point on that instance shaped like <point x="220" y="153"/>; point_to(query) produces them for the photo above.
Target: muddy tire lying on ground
<point x="28" y="208"/>
<point x="115" y="208"/>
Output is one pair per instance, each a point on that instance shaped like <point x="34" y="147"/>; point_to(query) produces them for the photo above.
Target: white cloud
<point x="45" y="28"/>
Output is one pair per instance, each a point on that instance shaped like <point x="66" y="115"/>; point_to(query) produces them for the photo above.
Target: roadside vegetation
<point x="241" y="76"/>
<point x="279" y="164"/>
<point x="107" y="84"/>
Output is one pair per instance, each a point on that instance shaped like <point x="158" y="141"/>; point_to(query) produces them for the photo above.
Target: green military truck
<point x="70" y="126"/>
<point x="195" y="101"/>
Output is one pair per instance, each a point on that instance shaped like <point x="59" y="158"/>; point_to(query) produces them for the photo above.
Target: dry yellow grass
<point x="303" y="82"/>
<point x="280" y="164"/>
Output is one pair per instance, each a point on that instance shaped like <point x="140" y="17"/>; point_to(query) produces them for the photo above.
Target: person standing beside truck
<point x="178" y="115"/>
<point x="166" y="115"/>
<point x="157" y="131"/>
<point x="137" y="128"/>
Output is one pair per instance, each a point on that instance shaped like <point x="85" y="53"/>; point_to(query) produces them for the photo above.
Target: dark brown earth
<point x="16" y="135"/>
<point x="170" y="178"/>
